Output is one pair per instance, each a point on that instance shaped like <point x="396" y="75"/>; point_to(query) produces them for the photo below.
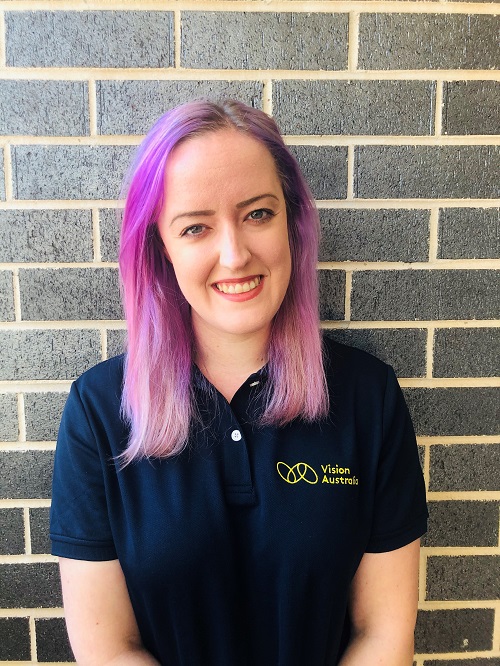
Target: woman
<point x="252" y="496"/>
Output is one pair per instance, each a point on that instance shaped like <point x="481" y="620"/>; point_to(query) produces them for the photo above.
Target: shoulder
<point x="349" y="364"/>
<point x="102" y="383"/>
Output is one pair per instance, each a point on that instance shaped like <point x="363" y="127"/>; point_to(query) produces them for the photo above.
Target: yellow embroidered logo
<point x="301" y="471"/>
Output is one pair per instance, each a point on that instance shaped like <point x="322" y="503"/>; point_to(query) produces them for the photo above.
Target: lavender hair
<point x="157" y="397"/>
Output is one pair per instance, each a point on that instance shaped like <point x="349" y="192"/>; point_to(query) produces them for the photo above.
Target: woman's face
<point x="224" y="228"/>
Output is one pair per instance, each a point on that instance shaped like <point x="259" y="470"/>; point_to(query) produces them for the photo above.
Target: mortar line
<point x="16" y="294"/>
<point x="64" y="325"/>
<point x="36" y="613"/>
<point x="350" y="173"/>
<point x="3" y="55"/>
<point x="260" y="6"/>
<point x="96" y="236"/>
<point x="27" y="531"/>
<point x="347" y="298"/>
<point x="413" y="140"/>
<point x="7" y="171"/>
<point x="438" y="265"/>
<point x="171" y="74"/>
<point x="177" y="39"/>
<point x="422" y="577"/>
<point x="21" y="417"/>
<point x="20" y="504"/>
<point x="28" y="446"/>
<point x="429" y="366"/>
<point x="33" y="646"/>
<point x="267" y="96"/>
<point x="122" y="140"/>
<point x="92" y="100"/>
<point x="427" y="465"/>
<point x="496" y="630"/>
<point x="438" y="110"/>
<point x="353" y="45"/>
<point x="405" y="203"/>
<point x="466" y="495"/>
<point x="433" y="233"/>
<point x="104" y="345"/>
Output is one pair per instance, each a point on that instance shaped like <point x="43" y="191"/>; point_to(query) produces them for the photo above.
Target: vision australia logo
<point x="301" y="471"/>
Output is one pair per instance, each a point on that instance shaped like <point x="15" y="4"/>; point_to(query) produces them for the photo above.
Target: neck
<point x="227" y="361"/>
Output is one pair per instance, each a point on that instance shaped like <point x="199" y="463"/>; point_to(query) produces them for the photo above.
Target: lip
<point x="244" y="296"/>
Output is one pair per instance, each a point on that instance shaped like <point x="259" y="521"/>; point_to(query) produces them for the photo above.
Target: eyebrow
<point x="241" y="204"/>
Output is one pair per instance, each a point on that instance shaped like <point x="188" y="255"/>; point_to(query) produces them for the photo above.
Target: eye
<point x="261" y="214"/>
<point x="194" y="230"/>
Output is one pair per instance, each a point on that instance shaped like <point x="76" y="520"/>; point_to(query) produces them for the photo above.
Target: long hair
<point x="157" y="398"/>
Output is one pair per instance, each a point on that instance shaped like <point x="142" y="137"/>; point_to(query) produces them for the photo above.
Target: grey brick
<point x="45" y="235"/>
<point x="428" y="41"/>
<point x="469" y="233"/>
<point x="467" y="352"/>
<point x="471" y="107"/>
<point x="109" y="221"/>
<point x="30" y="585"/>
<point x="2" y="177"/>
<point x="43" y="415"/>
<point x="15" y="639"/>
<point x="354" y="107"/>
<point x="324" y="168"/>
<point x="6" y="296"/>
<point x="26" y="474"/>
<point x="331" y="294"/>
<point x="39" y="528"/>
<point x="89" y="39"/>
<point x="426" y="295"/>
<point x="52" y="642"/>
<point x="454" y="411"/>
<point x="463" y="467"/>
<point x="49" y="108"/>
<point x="427" y="171"/>
<point x="9" y="429"/>
<point x="47" y="354"/>
<point x="70" y="293"/>
<point x="116" y="342"/>
<point x="374" y="235"/>
<point x="11" y="532"/>
<point x="462" y="524"/>
<point x="69" y="172"/>
<point x="131" y="107"/>
<point x="230" y="40"/>
<point x="458" y="630"/>
<point x="463" y="578"/>
<point x="403" y="348"/>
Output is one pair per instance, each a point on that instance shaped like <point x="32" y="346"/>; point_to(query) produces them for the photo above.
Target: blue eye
<point x="261" y="214"/>
<point x="195" y="230"/>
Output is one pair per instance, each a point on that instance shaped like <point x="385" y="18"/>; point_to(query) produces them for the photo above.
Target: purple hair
<point x="157" y="397"/>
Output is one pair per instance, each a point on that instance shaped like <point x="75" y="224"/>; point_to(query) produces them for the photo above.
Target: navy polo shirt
<point x="240" y="550"/>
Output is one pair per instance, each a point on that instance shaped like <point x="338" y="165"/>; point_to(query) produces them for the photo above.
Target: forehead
<point x="216" y="162"/>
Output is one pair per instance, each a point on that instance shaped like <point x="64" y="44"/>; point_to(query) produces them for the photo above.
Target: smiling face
<point x="224" y="228"/>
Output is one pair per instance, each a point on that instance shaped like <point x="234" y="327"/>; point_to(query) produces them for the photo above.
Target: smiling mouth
<point x="238" y="287"/>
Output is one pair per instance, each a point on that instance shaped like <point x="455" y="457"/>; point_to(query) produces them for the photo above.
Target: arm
<point x="101" y="624"/>
<point x="383" y="608"/>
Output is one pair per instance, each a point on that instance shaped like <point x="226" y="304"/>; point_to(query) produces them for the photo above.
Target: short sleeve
<point x="400" y="510"/>
<point x="79" y="523"/>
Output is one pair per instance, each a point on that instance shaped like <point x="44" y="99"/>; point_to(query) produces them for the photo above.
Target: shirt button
<point x="236" y="435"/>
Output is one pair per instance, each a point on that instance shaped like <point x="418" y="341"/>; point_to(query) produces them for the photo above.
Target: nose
<point x="234" y="253"/>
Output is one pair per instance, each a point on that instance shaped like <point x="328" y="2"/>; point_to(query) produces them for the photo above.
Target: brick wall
<point x="392" y="109"/>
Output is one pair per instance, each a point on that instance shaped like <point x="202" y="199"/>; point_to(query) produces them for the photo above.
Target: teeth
<point x="239" y="287"/>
